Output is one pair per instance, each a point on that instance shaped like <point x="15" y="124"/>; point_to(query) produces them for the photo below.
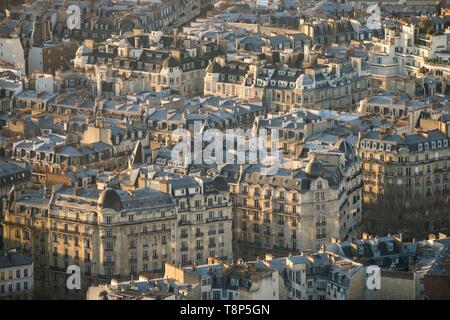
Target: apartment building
<point x="51" y="56"/>
<point x="295" y="209"/>
<point x="218" y="280"/>
<point x="204" y="217"/>
<point x="409" y="49"/>
<point x="331" y="85"/>
<point x="16" y="276"/>
<point x="12" y="51"/>
<point x="106" y="233"/>
<point x="13" y="175"/>
<point x="405" y="181"/>
<point x="294" y="129"/>
<point x="319" y="276"/>
<point x="182" y="69"/>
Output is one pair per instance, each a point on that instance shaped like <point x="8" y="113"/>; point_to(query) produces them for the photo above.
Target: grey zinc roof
<point x="13" y="259"/>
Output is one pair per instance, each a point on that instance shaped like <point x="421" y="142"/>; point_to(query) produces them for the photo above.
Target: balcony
<point x="184" y="249"/>
<point x="183" y="222"/>
<point x="217" y="219"/>
<point x="184" y="236"/>
<point x="108" y="263"/>
<point x="211" y="232"/>
<point x="221" y="231"/>
<point x="106" y="237"/>
<point x="212" y="245"/>
<point x="199" y="248"/>
<point x="199" y="234"/>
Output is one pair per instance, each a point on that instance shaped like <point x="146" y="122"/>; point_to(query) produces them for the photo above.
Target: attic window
<point x="433" y="144"/>
<point x="427" y="145"/>
<point x="420" y="147"/>
<point x="445" y="143"/>
<point x="388" y="147"/>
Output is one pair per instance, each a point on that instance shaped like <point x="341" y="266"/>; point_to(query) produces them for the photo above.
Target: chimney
<point x="268" y="257"/>
<point x="338" y="70"/>
<point x="89" y="43"/>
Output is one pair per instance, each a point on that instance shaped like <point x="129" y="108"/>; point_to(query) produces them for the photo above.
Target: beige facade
<point x="405" y="182"/>
<point x="106" y="233"/>
<point x="294" y="210"/>
<point x="204" y="221"/>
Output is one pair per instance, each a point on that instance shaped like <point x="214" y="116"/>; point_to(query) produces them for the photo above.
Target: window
<point x="216" y="295"/>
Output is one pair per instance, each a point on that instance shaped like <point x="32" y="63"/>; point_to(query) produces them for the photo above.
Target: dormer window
<point x="433" y="144"/>
<point x="382" y="146"/>
<point x="427" y="145"/>
<point x="319" y="185"/>
<point x="388" y="147"/>
<point x="420" y="147"/>
<point x="439" y="144"/>
<point x="445" y="143"/>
